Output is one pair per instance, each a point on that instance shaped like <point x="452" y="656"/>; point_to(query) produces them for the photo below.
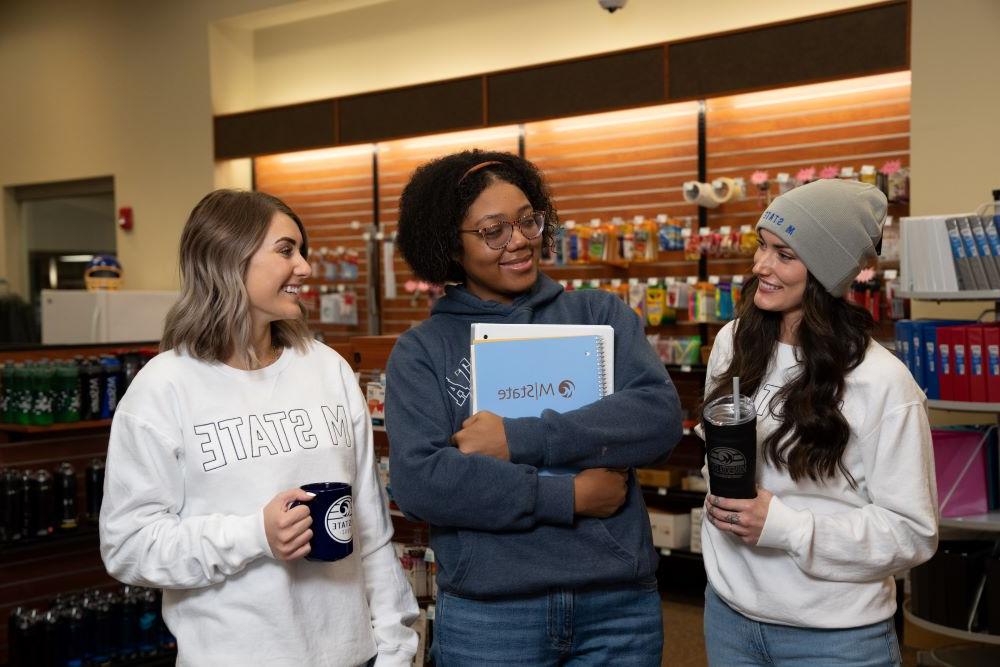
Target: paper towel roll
<point x="700" y="194"/>
<point x="723" y="189"/>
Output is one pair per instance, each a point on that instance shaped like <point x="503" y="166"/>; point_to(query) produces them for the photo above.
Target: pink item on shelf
<point x="891" y="167"/>
<point x="806" y="175"/>
<point x="960" y="462"/>
<point x="829" y="171"/>
<point x="759" y="178"/>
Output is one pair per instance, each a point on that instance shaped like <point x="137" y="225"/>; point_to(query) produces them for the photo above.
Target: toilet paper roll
<point x="700" y="193"/>
<point x="723" y="189"/>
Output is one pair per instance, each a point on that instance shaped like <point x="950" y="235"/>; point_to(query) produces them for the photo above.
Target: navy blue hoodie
<point x="497" y="527"/>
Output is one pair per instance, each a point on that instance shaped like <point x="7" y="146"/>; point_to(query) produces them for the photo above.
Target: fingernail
<point x="310" y="494"/>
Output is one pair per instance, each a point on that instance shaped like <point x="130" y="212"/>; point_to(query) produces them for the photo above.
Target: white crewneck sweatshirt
<point x="196" y="451"/>
<point x="827" y="554"/>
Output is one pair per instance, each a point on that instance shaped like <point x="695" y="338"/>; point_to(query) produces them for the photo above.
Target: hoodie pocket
<point x="597" y="527"/>
<point x="464" y="559"/>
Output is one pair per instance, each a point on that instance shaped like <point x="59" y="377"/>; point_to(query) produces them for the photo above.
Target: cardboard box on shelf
<point x="697" y="516"/>
<point x="694" y="483"/>
<point x="658" y="477"/>
<point x="670" y="530"/>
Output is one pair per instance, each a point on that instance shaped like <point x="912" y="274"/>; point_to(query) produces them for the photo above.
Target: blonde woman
<point x="213" y="439"/>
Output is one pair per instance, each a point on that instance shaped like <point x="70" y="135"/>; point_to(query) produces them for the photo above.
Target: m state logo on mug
<point x="338" y="520"/>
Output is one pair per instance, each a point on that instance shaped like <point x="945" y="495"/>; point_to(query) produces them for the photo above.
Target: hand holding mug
<point x="287" y="528"/>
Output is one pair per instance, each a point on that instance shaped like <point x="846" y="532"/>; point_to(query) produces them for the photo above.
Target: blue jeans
<point x="600" y="626"/>
<point x="733" y="640"/>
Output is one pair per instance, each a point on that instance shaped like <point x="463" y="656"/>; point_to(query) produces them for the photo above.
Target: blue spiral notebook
<point x="519" y="370"/>
<point x="522" y="377"/>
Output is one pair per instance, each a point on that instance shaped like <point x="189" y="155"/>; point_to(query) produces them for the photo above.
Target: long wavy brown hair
<point x="832" y="338"/>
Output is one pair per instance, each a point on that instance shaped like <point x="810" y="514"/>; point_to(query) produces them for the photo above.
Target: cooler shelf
<point x="62" y="426"/>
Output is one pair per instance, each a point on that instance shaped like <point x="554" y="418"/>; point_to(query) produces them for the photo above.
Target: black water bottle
<point x="131" y="363"/>
<point x="12" y="517"/>
<point x="66" y="514"/>
<point x="16" y="637"/>
<point x="94" y="488"/>
<point x="128" y="624"/>
<point x="91" y="388"/>
<point x="149" y="623"/>
<point x="41" y="504"/>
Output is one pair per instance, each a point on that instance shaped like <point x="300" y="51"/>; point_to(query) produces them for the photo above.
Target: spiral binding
<point x="602" y="371"/>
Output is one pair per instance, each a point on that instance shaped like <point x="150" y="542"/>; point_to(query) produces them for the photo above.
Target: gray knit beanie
<point x="832" y="225"/>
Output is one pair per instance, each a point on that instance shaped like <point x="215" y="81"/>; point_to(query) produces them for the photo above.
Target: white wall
<point x="110" y="88"/>
<point x="955" y="108"/>
<point x="390" y="43"/>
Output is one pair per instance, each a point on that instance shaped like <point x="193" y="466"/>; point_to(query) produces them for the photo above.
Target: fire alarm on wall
<point x="125" y="217"/>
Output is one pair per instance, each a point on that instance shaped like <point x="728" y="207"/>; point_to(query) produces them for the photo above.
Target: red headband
<point x="476" y="167"/>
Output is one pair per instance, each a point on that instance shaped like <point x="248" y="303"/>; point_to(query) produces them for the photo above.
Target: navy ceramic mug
<point x="332" y="512"/>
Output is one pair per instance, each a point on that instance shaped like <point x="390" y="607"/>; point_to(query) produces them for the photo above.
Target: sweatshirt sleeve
<point x="390" y="598"/>
<point x="144" y="541"/>
<point x="895" y="531"/>
<point x="637" y="425"/>
<point x="433" y="481"/>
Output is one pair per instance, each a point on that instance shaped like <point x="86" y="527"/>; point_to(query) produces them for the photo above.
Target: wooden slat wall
<point x="845" y="123"/>
<point x="332" y="191"/>
<point x="397" y="161"/>
<point x="622" y="164"/>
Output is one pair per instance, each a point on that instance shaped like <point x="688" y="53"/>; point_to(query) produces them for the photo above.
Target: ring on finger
<point x="733" y="518"/>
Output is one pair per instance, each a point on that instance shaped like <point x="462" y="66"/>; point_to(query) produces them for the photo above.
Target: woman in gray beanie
<point x="804" y="573"/>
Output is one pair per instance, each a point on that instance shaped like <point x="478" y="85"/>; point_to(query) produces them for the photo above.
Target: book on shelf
<point x="521" y="370"/>
<point x="949" y="253"/>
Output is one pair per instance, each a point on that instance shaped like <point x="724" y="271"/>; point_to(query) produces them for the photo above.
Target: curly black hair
<point x="437" y="199"/>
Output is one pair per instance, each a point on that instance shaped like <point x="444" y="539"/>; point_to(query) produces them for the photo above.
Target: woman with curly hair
<point x="803" y="573"/>
<point x="533" y="569"/>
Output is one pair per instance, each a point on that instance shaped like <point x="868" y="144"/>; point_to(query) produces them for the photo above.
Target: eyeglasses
<point x="499" y="234"/>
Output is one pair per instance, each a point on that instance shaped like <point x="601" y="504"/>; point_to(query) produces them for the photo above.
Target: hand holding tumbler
<point x="731" y="446"/>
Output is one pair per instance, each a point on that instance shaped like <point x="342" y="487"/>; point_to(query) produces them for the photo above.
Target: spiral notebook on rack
<point x="519" y="370"/>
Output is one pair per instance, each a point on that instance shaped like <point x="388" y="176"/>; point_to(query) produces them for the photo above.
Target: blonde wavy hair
<point x="211" y="319"/>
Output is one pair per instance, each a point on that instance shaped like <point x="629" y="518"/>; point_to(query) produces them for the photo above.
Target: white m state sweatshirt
<point x="828" y="552"/>
<point x="196" y="451"/>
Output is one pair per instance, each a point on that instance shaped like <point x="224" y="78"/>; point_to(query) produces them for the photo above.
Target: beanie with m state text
<point x="833" y="226"/>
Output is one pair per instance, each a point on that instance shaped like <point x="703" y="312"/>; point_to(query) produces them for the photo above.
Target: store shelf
<point x="963" y="295"/>
<point x="963" y="406"/>
<point x="52" y="428"/>
<point x="989" y="522"/>
<point x="947" y="631"/>
<point x="679" y="553"/>
<point x="85" y="534"/>
<point x="686" y="368"/>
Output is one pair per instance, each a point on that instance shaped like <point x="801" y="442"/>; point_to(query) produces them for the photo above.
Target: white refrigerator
<point x="127" y="316"/>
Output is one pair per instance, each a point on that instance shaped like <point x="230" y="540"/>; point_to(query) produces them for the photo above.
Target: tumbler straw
<point x="736" y="399"/>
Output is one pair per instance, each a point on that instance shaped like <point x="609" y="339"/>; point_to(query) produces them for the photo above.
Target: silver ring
<point x="733" y="518"/>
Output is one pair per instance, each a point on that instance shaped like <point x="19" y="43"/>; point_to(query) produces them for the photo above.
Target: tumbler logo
<point x="338" y="520"/>
<point x="566" y="388"/>
<point x="727" y="462"/>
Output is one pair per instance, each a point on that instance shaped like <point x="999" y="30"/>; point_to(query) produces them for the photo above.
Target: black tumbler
<point x="731" y="447"/>
<point x="94" y="488"/>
